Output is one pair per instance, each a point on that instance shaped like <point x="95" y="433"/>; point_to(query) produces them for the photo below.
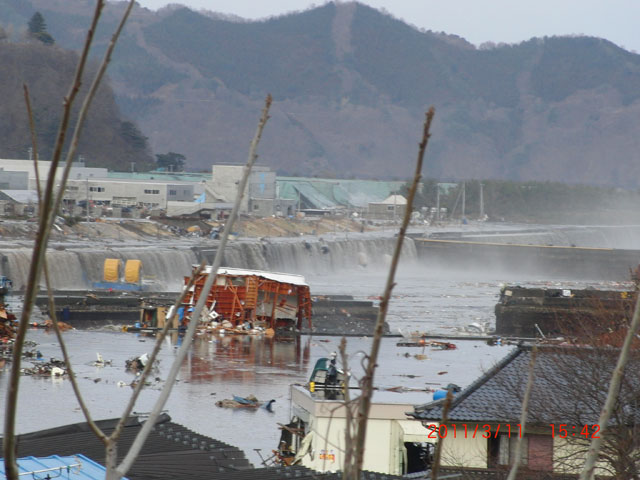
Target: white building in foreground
<point x="395" y="444"/>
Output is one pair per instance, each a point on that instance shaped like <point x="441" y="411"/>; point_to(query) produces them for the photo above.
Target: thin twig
<point x="35" y="269"/>
<point x="588" y="470"/>
<point x="97" y="80"/>
<point x="52" y="308"/>
<point x="133" y="452"/>
<point x="152" y="358"/>
<point x="67" y="360"/>
<point x="34" y="145"/>
<point x="367" y="380"/>
<point x="523" y="414"/>
<point x="349" y="421"/>
<point x="435" y="469"/>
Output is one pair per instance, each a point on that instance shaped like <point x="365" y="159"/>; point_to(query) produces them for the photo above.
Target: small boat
<point x="326" y="376"/>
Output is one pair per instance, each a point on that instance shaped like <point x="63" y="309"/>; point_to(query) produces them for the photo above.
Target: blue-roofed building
<point x="331" y="194"/>
<point x="54" y="466"/>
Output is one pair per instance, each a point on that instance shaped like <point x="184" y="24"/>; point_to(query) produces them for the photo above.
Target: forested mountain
<point x="351" y="86"/>
<point x="107" y="139"/>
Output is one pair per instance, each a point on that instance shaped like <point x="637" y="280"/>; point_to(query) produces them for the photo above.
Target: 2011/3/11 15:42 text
<point x="566" y="431"/>
<point x="464" y="430"/>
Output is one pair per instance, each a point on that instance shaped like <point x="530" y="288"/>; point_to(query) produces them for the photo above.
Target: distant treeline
<point x="535" y="202"/>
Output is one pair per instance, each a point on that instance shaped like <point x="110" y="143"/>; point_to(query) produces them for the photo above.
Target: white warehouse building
<point x="128" y="193"/>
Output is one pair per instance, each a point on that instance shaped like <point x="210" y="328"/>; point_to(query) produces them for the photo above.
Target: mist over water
<point x="317" y="256"/>
<point x="164" y="267"/>
<point x="427" y="298"/>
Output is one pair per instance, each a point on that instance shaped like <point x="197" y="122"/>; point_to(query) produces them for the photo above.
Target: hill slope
<point x="107" y="139"/>
<point x="351" y="85"/>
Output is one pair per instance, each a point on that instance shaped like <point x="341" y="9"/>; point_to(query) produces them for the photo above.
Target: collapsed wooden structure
<point x="7" y="319"/>
<point x="275" y="300"/>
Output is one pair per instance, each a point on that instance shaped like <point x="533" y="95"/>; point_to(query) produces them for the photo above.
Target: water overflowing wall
<point x="164" y="268"/>
<point x="316" y="256"/>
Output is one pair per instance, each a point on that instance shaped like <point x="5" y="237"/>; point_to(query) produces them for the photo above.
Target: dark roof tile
<point x="569" y="383"/>
<point x="165" y="455"/>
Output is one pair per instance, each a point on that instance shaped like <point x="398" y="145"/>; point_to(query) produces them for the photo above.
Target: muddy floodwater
<point x="219" y="367"/>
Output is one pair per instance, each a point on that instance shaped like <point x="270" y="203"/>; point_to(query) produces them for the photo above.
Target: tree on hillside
<point x="173" y="162"/>
<point x="133" y="135"/>
<point x="38" y="29"/>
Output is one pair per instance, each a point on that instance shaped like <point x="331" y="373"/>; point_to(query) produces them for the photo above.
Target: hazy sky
<point x="475" y="20"/>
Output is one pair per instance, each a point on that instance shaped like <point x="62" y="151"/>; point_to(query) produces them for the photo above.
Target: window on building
<point x="124" y="201"/>
<point x="173" y="192"/>
<point x="96" y="189"/>
<point x="256" y="206"/>
<point x="502" y="450"/>
<point x="152" y="192"/>
<point x="391" y="208"/>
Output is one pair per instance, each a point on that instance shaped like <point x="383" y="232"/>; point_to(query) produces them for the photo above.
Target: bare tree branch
<point x="349" y="419"/>
<point x="52" y="308"/>
<point x="152" y="358"/>
<point x="435" y="469"/>
<point x="588" y="470"/>
<point x="37" y="258"/>
<point x="133" y="452"/>
<point x="368" y="378"/>
<point x="85" y="106"/>
<point x="523" y="415"/>
<point x="67" y="360"/>
<point x="34" y="145"/>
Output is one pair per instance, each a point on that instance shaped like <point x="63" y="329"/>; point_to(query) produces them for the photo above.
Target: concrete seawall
<point x="547" y="261"/>
<point x="332" y="315"/>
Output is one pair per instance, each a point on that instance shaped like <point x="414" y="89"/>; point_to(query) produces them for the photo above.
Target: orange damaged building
<point x="275" y="300"/>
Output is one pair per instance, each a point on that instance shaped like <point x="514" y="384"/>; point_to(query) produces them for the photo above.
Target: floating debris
<point x="429" y="343"/>
<point x="54" y="368"/>
<point x="137" y="364"/>
<point x="101" y="362"/>
<point x="63" y="326"/>
<point x="245" y="402"/>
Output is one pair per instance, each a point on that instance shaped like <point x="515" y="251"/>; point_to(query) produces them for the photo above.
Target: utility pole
<point x="481" y="202"/>
<point x="395" y="196"/>
<point x="464" y="198"/>
<point x="87" y="204"/>
<point x="437" y="202"/>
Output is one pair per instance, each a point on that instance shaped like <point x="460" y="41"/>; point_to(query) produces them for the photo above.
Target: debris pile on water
<point x="54" y="368"/>
<point x="245" y="402"/>
<point x="137" y="364"/>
